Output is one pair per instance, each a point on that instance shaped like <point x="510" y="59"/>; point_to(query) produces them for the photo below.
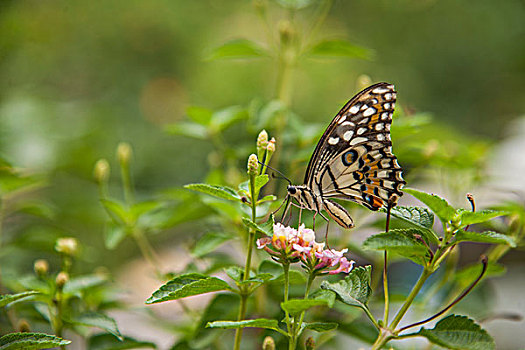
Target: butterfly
<point x="353" y="160"/>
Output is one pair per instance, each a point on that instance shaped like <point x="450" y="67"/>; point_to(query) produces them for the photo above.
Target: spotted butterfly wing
<point x="354" y="159"/>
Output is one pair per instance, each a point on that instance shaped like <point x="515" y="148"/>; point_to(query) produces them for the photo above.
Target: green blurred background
<point x="77" y="77"/>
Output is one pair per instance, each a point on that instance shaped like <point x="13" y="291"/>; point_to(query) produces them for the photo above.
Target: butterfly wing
<point x="354" y="159"/>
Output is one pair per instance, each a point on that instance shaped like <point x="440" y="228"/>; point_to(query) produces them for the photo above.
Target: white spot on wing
<point x="388" y="96"/>
<point x="354" y="109"/>
<point x="384" y="116"/>
<point x="364" y="107"/>
<point x="379" y="126"/>
<point x="374" y="101"/>
<point x="357" y="140"/>
<point x="361" y="131"/>
<point x="380" y="90"/>
<point x="386" y="106"/>
<point x="387" y="127"/>
<point x="333" y="140"/>
<point x="369" y="112"/>
<point x="380" y="137"/>
<point x="348" y="135"/>
<point x="342" y="119"/>
<point x="348" y="123"/>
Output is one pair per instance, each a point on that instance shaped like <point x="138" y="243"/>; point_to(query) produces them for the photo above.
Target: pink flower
<point x="289" y="244"/>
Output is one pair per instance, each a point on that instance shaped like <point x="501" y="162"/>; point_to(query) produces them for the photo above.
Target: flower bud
<point x="101" y="170"/>
<point x="253" y="165"/>
<point x="262" y="139"/>
<point x="268" y="343"/>
<point x="41" y="267"/>
<point x="67" y="246"/>
<point x="62" y="279"/>
<point x="310" y="344"/>
<point x="124" y="153"/>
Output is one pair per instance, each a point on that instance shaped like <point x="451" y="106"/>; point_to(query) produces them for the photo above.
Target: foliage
<point x="293" y="288"/>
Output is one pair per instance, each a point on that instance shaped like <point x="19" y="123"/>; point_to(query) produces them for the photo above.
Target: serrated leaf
<point x="6" y="299"/>
<point x="109" y="342"/>
<point x="321" y="326"/>
<point x="469" y="218"/>
<point x="216" y="191"/>
<point x="187" y="285"/>
<point x="326" y="295"/>
<point x="296" y="306"/>
<point x="355" y="289"/>
<point x="78" y="284"/>
<point x="485" y="237"/>
<point x="30" y="341"/>
<point x="238" y="48"/>
<point x="341" y="48"/>
<point x="193" y="130"/>
<point x="402" y="242"/>
<point x="209" y="242"/>
<point x="258" y="228"/>
<point x="95" y="319"/>
<point x="444" y="211"/>
<point x="199" y="115"/>
<point x="459" y="332"/>
<point x="419" y="216"/>
<point x="256" y="323"/>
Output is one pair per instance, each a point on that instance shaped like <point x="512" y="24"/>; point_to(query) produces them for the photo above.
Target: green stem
<point x="415" y="290"/>
<point x="147" y="250"/>
<point x="244" y="292"/>
<point x="291" y="338"/>
<point x="297" y="326"/>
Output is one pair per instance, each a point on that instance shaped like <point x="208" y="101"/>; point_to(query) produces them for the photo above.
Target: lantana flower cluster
<point x="293" y="245"/>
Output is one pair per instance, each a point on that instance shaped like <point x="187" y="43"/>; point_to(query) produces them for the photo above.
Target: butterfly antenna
<point x="277" y="171"/>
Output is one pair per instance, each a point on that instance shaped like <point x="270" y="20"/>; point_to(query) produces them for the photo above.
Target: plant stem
<point x="291" y="337"/>
<point x="244" y="293"/>
<point x="147" y="250"/>
<point x="415" y="290"/>
<point x="385" y="270"/>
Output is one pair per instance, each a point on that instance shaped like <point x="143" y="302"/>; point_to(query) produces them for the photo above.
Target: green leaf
<point x="199" y="115"/>
<point x="225" y="117"/>
<point x="145" y="207"/>
<point x="341" y="48"/>
<point x="257" y="323"/>
<point x="209" y="242"/>
<point x="321" y="326"/>
<point x="485" y="237"/>
<point x="114" y="234"/>
<point x="326" y="295"/>
<point x="216" y="191"/>
<point x="108" y="342"/>
<point x="444" y="211"/>
<point x="355" y="289"/>
<point x="402" y="242"/>
<point x="260" y="181"/>
<point x="268" y="198"/>
<point x="418" y="216"/>
<point x="469" y="218"/>
<point x="238" y="48"/>
<point x="459" y="332"/>
<point x="78" y="284"/>
<point x="264" y="229"/>
<point x="6" y="299"/>
<point x="194" y="130"/>
<point x="117" y="211"/>
<point x="30" y="341"/>
<point x="296" y="306"/>
<point x="95" y="319"/>
<point x="187" y="285"/>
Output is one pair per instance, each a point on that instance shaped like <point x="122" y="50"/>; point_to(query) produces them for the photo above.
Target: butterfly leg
<point x="326" y="235"/>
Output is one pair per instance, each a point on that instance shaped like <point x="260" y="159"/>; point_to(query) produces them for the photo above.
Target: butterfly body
<point x="353" y="160"/>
